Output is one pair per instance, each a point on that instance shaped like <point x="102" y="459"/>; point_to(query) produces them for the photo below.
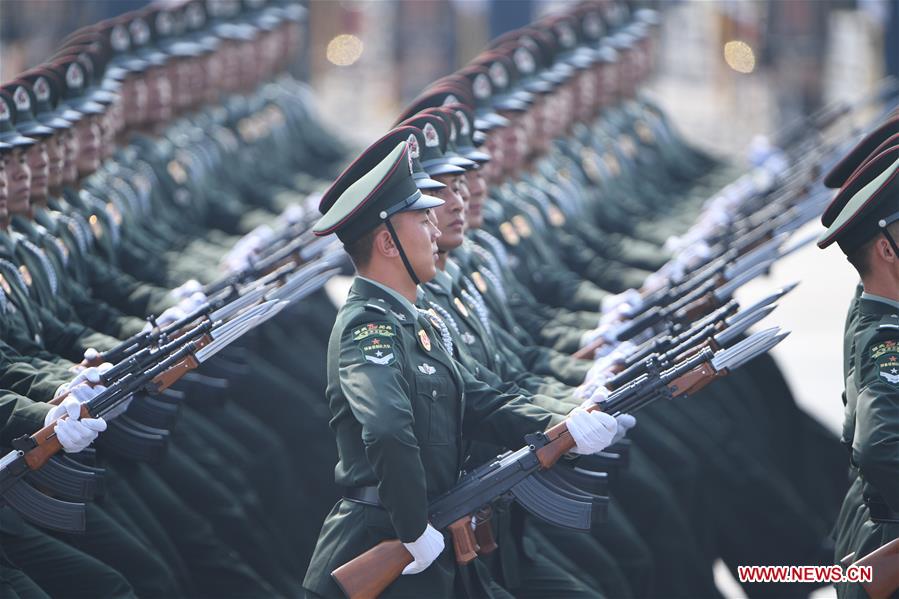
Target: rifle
<point x="295" y="251"/>
<point x="32" y="453"/>
<point x="884" y="563"/>
<point x="696" y="303"/>
<point x="768" y="214"/>
<point x="234" y="298"/>
<point x="716" y="330"/>
<point x="525" y="474"/>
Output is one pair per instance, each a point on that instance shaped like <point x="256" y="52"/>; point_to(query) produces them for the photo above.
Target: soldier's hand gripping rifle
<point x="522" y="473"/>
<point x="33" y="453"/>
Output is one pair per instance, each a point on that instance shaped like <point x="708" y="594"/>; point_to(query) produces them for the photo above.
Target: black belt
<point x="363" y="495"/>
<point x="880" y="511"/>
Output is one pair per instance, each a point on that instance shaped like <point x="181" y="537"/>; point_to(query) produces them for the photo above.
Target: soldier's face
<point x="249" y="65"/>
<point x="19" y="178"/>
<point x="134" y="98"/>
<point x="230" y="71"/>
<point x="494" y="172"/>
<point x="181" y="87"/>
<point x="87" y="132"/>
<point x="159" y="95"/>
<point x="70" y="153"/>
<point x="212" y="73"/>
<point x="451" y="215"/>
<point x="108" y="127"/>
<point x="196" y="83"/>
<point x="418" y="234"/>
<point x="514" y="144"/>
<point x="477" y="192"/>
<point x="55" y="161"/>
<point x="3" y="188"/>
<point x="36" y="157"/>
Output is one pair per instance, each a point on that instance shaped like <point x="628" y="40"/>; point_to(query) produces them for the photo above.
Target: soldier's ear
<point x="884" y="250"/>
<point x="383" y="244"/>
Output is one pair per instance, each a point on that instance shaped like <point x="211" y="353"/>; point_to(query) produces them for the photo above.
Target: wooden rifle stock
<point x="698" y="308"/>
<point x="884" y="563"/>
<point x="694" y="380"/>
<point x="171" y="376"/>
<point x="366" y="576"/>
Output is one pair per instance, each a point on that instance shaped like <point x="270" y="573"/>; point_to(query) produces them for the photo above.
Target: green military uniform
<point x="400" y="404"/>
<point x="863" y="210"/>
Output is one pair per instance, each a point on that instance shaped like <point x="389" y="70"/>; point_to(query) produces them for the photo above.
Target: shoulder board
<point x="376" y="308"/>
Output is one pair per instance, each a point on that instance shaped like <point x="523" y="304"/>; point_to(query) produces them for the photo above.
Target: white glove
<point x="91" y="355"/>
<point x="168" y="316"/>
<point x="591" y="431"/>
<point x="625" y="423"/>
<point x="424" y="549"/>
<point x="292" y="215"/>
<point x="599" y="395"/>
<point x="192" y="302"/>
<point x="617" y="354"/>
<point x="628" y="297"/>
<point x="186" y="289"/>
<point x="90" y="375"/>
<point x="74" y="433"/>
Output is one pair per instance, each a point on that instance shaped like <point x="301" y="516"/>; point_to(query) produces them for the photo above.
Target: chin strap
<point x="399" y="247"/>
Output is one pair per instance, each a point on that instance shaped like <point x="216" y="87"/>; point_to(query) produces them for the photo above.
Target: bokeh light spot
<point x="344" y="50"/>
<point x="739" y="56"/>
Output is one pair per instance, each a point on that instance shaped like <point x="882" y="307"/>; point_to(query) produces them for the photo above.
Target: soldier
<point x="865" y="230"/>
<point x="395" y="393"/>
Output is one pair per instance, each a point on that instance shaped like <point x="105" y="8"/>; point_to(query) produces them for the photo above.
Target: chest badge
<point x="556" y="217"/>
<point x="426" y="368"/>
<point x="479" y="281"/>
<point x="26" y="274"/>
<point x="460" y="307"/>
<point x="424" y="340"/>
<point x="507" y="230"/>
<point x="467" y="338"/>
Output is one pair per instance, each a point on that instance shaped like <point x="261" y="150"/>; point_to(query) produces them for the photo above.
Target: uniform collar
<point x="442" y="282"/>
<point x="453" y="270"/>
<point x="370" y="288"/>
<point x="880" y="301"/>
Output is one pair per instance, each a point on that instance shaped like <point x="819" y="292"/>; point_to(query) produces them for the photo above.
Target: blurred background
<point x="729" y="70"/>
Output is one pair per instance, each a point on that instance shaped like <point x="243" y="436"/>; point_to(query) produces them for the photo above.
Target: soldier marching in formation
<point x="538" y="256"/>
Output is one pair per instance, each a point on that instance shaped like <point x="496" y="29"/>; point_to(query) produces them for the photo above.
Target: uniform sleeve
<point x="69" y="340"/>
<point x="876" y="442"/>
<point x="124" y="291"/>
<point x="19" y="416"/>
<point x="372" y="381"/>
<point x="493" y="416"/>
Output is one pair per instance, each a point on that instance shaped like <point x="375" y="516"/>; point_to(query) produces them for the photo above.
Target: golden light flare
<point x="739" y="56"/>
<point x="344" y="50"/>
